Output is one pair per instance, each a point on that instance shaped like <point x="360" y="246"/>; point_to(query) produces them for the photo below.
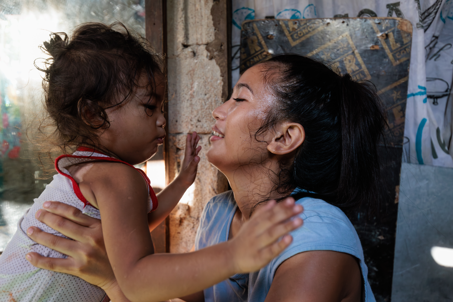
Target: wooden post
<point x="156" y="34"/>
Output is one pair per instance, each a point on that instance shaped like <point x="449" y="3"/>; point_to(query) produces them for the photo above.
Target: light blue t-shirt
<point x="325" y="227"/>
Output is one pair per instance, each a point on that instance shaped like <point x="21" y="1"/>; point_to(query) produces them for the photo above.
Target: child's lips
<point x="160" y="140"/>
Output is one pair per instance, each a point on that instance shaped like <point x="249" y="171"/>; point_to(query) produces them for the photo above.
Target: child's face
<point x="136" y="128"/>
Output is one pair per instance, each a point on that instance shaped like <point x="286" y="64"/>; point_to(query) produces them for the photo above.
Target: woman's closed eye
<point x="239" y="99"/>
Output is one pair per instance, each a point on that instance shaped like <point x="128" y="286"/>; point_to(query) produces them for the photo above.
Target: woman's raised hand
<point x="265" y="235"/>
<point x="87" y="257"/>
<point x="189" y="166"/>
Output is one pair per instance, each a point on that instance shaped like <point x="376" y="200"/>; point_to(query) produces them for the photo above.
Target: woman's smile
<point x="216" y="134"/>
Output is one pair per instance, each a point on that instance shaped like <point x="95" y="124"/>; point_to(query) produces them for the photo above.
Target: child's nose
<point x="161" y="122"/>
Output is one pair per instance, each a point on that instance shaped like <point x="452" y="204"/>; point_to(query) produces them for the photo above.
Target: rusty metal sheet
<point x="372" y="49"/>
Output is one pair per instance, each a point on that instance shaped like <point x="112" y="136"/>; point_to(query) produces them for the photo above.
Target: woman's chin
<point x="215" y="159"/>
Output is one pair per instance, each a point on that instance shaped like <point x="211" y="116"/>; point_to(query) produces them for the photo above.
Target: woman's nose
<point x="219" y="112"/>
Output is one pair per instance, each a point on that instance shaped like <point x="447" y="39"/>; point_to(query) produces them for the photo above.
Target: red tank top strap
<point x="96" y="156"/>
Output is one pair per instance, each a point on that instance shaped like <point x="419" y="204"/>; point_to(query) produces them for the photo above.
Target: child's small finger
<point x="194" y="140"/>
<point x="255" y="224"/>
<point x="274" y="249"/>
<point x="194" y="162"/>
<point x="277" y="231"/>
<point x="261" y="210"/>
<point x="282" y="211"/>
<point x="189" y="148"/>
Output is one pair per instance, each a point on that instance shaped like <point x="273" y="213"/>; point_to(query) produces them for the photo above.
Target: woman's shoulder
<point x="325" y="227"/>
<point x="222" y="200"/>
<point x="315" y="208"/>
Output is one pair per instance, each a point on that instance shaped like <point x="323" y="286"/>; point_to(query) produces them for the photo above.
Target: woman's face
<point x="233" y="143"/>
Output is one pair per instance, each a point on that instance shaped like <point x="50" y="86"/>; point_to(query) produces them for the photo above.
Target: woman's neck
<point x="253" y="187"/>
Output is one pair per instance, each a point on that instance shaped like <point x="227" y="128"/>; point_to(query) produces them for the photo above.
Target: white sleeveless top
<point x="22" y="282"/>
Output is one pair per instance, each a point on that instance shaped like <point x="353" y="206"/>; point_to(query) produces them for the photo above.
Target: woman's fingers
<point x="69" y="212"/>
<point x="57" y="243"/>
<point x="67" y="227"/>
<point x="52" y="264"/>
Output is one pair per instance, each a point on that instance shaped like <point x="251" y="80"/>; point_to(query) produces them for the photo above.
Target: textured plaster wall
<point x="196" y="85"/>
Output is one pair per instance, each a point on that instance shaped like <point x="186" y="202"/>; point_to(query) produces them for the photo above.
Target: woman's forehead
<point x="252" y="78"/>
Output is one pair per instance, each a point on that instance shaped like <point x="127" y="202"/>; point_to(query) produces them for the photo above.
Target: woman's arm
<point x="317" y="276"/>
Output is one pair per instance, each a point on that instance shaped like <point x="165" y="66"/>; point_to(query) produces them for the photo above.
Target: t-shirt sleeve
<point x="214" y="221"/>
<point x="319" y="233"/>
<point x="203" y="225"/>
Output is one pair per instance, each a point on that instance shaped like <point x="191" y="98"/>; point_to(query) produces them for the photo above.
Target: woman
<point x="292" y="127"/>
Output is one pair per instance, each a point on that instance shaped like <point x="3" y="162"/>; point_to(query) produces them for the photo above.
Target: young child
<point x="104" y="92"/>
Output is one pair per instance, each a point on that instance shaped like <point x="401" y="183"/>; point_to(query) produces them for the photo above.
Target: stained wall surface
<point x="197" y="83"/>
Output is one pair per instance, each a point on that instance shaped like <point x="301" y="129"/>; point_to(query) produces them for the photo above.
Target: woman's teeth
<point x="217" y="134"/>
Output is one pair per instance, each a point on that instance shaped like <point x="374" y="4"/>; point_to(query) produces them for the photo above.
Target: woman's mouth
<point x="216" y="136"/>
<point x="215" y="133"/>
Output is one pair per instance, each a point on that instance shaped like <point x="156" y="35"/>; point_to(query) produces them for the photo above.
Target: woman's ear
<point x="287" y="138"/>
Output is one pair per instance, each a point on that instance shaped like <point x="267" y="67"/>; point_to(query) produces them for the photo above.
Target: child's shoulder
<point x="103" y="171"/>
<point x="97" y="179"/>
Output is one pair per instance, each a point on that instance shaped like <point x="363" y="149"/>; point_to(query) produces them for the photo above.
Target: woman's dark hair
<point x="98" y="68"/>
<point x="343" y="122"/>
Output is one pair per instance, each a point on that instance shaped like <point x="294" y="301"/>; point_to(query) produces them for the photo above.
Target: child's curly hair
<point x="98" y="68"/>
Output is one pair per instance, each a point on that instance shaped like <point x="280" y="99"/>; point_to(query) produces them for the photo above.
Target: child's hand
<point x="265" y="235"/>
<point x="189" y="167"/>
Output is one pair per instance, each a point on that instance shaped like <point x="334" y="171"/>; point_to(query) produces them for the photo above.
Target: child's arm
<point x="143" y="276"/>
<point x="170" y="196"/>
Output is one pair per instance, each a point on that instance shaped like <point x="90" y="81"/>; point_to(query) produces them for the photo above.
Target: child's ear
<point x="287" y="138"/>
<point x="88" y="114"/>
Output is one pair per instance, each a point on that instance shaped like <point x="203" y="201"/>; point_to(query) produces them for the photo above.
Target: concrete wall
<point x="197" y="83"/>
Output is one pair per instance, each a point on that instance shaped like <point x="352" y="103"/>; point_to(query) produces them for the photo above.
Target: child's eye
<point x="238" y="99"/>
<point x="149" y="109"/>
